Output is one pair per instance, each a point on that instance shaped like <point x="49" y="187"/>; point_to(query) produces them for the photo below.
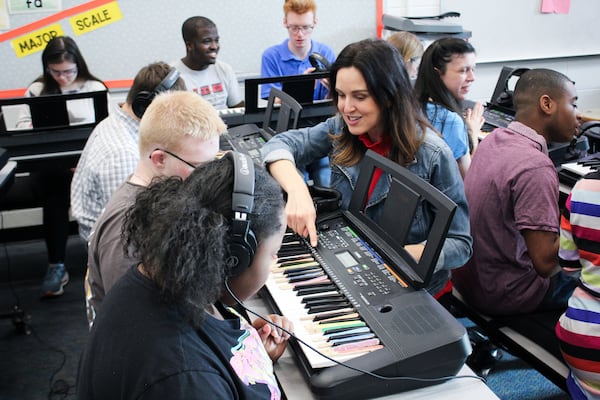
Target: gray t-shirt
<point x="107" y="260"/>
<point x="217" y="83"/>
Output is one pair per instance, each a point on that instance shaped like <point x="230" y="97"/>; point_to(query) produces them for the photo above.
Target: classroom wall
<point x="150" y="30"/>
<point x="517" y="34"/>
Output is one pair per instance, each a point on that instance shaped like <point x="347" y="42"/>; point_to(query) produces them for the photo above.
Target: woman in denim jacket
<point x="377" y="111"/>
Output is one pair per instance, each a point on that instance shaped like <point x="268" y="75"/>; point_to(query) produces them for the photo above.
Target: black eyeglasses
<point x="176" y="156"/>
<point x="300" y="28"/>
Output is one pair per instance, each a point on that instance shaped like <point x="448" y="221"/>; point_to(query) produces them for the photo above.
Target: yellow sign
<point x="36" y="40"/>
<point x="96" y="18"/>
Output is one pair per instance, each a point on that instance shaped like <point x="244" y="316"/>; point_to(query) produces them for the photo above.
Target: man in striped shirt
<point x="579" y="327"/>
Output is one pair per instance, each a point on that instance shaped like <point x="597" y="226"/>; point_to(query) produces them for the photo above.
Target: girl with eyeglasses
<point x="445" y="76"/>
<point x="64" y="72"/>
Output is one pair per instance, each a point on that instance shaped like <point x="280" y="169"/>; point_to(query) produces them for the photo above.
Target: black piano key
<point x="350" y="333"/>
<point x="305" y="277"/>
<point x="341" y="319"/>
<point x="293" y="257"/>
<point x="358" y="338"/>
<point x="291" y="250"/>
<point x="334" y="296"/>
<point x="292" y="272"/>
<point x="328" y="307"/>
<point x="319" y="318"/>
<point x="313" y="289"/>
<point x="334" y="299"/>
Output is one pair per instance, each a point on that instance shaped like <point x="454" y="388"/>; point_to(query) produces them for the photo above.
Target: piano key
<point x="323" y="299"/>
<point x="312" y="289"/>
<point x="325" y="317"/>
<point x="348" y="333"/>
<point x="328" y="307"/>
<point x="325" y="314"/>
<point x="352" y="339"/>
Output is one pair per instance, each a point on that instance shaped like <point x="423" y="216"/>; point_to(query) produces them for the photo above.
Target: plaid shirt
<point x="110" y="155"/>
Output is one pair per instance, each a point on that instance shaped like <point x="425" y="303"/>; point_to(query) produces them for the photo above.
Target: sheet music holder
<point x="301" y="91"/>
<point x="251" y="89"/>
<point x="49" y="113"/>
<point x="388" y="237"/>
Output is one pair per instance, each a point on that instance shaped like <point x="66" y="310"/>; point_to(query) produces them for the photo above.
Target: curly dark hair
<point x="180" y="231"/>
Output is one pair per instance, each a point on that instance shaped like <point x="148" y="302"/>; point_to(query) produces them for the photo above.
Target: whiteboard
<point x="150" y="31"/>
<point x="505" y="30"/>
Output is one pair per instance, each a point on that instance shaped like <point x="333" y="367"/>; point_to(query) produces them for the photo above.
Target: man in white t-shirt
<point x="214" y="80"/>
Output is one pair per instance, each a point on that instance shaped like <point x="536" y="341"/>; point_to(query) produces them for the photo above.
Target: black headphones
<point x="242" y="246"/>
<point x="320" y="63"/>
<point x="505" y="99"/>
<point x="142" y="100"/>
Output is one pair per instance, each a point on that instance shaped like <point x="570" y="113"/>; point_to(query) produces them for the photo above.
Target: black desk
<point x="55" y="144"/>
<point x="7" y="176"/>
<point x="34" y="151"/>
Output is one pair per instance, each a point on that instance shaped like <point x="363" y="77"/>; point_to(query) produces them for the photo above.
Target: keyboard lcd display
<point x="346" y="259"/>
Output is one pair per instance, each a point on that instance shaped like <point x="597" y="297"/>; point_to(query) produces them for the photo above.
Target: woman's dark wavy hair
<point x="60" y="49"/>
<point x="433" y="65"/>
<point x="180" y="231"/>
<point x="388" y="83"/>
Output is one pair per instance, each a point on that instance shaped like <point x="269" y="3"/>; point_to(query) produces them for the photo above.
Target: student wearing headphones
<point x="111" y="151"/>
<point x="163" y="331"/>
<point x="203" y="74"/>
<point x="446" y="73"/>
<point x="179" y="132"/>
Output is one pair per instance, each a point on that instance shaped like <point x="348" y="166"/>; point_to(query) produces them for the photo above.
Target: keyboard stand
<point x="19" y="318"/>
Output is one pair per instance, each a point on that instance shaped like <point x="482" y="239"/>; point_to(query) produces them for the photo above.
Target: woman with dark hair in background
<point x="445" y="75"/>
<point x="64" y="72"/>
<point x="162" y="331"/>
<point x="378" y="111"/>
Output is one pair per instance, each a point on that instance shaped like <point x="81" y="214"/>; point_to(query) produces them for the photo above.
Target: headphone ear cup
<point x="505" y="99"/>
<point x="241" y="248"/>
<point x="141" y="102"/>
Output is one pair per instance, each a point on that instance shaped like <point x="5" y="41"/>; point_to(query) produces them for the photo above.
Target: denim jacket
<point x="434" y="163"/>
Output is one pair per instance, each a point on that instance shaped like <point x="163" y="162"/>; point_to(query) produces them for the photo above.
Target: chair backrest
<point x="289" y="112"/>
